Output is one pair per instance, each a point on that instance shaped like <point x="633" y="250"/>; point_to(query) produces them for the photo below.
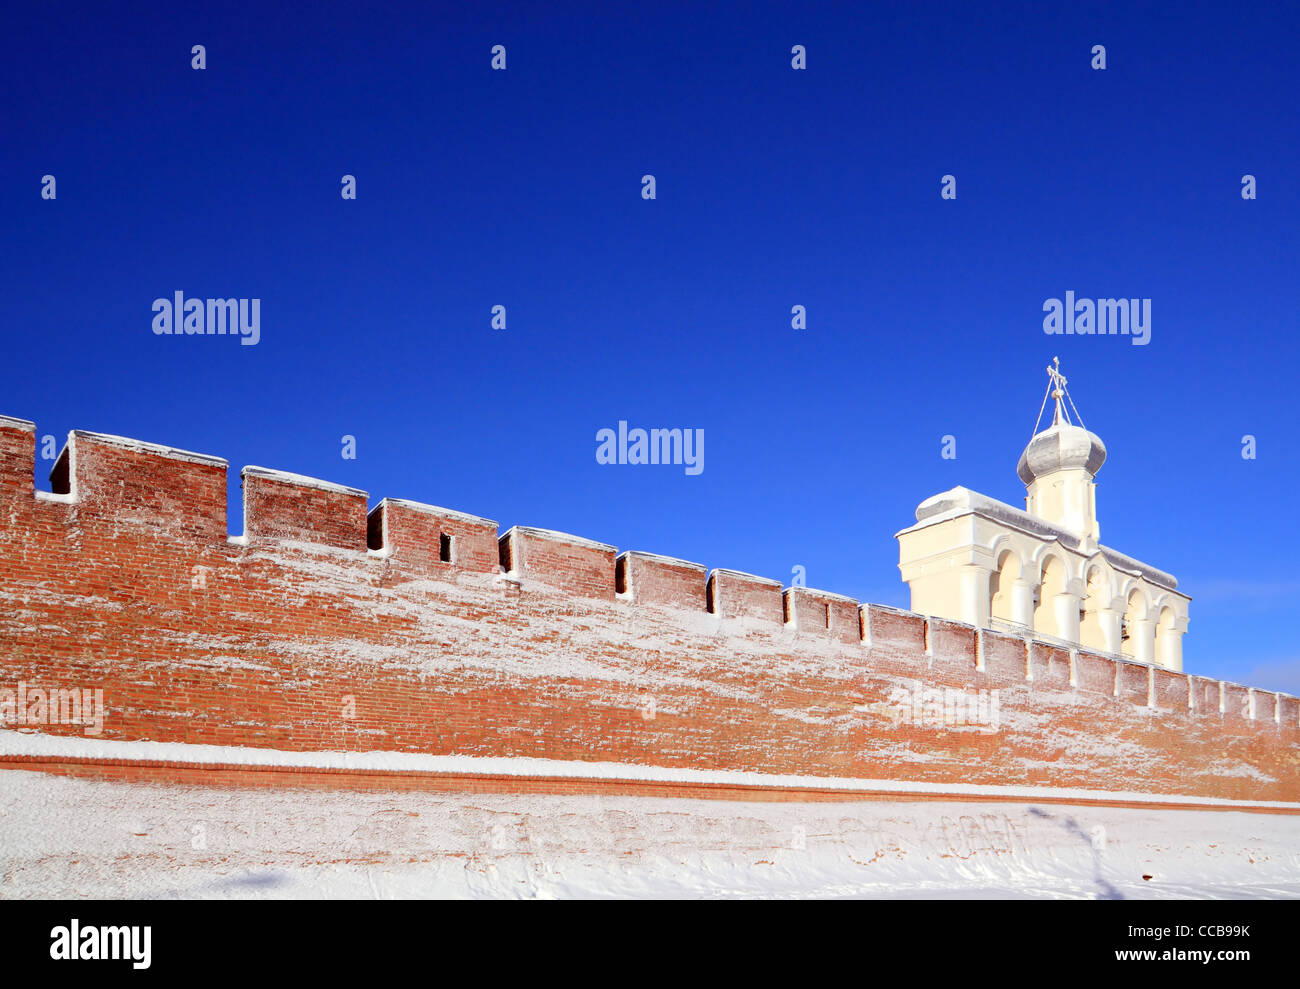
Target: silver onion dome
<point x="1061" y="447"/>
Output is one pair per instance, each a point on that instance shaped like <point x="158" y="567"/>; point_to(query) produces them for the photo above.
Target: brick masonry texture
<point x="417" y="629"/>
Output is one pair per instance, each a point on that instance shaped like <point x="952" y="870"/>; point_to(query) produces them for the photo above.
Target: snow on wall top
<point x="670" y="560"/>
<point x="139" y="446"/>
<point x="562" y="537"/>
<point x="419" y="506"/>
<point x="747" y="576"/>
<point x="824" y="594"/>
<point x="301" y="480"/>
<point x="12" y="423"/>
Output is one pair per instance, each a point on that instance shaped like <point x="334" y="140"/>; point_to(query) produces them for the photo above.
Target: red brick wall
<point x="328" y="630"/>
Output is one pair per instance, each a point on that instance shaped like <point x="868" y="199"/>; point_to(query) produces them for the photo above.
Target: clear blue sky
<point x="775" y="187"/>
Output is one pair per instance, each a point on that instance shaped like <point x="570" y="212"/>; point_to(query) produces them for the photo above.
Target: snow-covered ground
<point x="79" y="838"/>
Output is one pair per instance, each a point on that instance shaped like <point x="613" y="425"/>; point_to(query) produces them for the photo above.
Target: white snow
<point x="63" y="837"/>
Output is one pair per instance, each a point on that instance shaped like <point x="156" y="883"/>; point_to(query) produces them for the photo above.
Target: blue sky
<point x="775" y="187"/>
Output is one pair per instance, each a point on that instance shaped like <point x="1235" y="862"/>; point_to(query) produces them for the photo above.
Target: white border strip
<point x="16" y="743"/>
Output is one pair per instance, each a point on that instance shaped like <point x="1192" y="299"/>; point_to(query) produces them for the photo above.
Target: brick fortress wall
<point x="414" y="629"/>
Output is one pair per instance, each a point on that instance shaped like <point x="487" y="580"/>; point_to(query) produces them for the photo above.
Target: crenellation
<point x="951" y="646"/>
<point x="151" y="449"/>
<point x="174" y="492"/>
<point x="558" y="561"/>
<point x="1263" y="705"/>
<point x="895" y="629"/>
<point x="823" y="614"/>
<point x="661" y="581"/>
<point x="1288" y="712"/>
<point x="1003" y="657"/>
<point x="427" y="537"/>
<point x="734" y="594"/>
<point x="1236" y="704"/>
<point x="1094" y="673"/>
<point x="1133" y="683"/>
<point x="1206" y="697"/>
<point x="1171" y="691"/>
<point x="17" y="456"/>
<point x="279" y="506"/>
<point x="1049" y="666"/>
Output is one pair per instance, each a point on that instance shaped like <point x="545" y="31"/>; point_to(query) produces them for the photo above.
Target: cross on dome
<point x="1056" y="383"/>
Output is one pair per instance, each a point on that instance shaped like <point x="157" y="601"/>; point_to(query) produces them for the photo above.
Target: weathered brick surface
<point x="1134" y="683"/>
<point x="1094" y="674"/>
<point x="328" y="631"/>
<point x="295" y="509"/>
<point x="1206" y="697"/>
<point x="891" y="627"/>
<point x="17" y="454"/>
<point x="559" y="561"/>
<point x="1170" y="690"/>
<point x="1236" y="704"/>
<point x="1264" y="705"/>
<point x="1049" y="665"/>
<point x="818" y="613"/>
<point x="1004" y="658"/>
<point x="736" y="595"/>
<point x="1288" y="711"/>
<point x="951" y="647"/>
